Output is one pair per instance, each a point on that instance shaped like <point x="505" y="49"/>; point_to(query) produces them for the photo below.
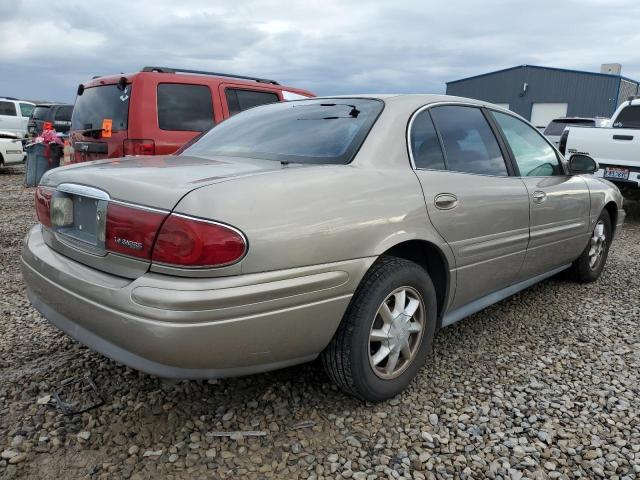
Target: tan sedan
<point x="350" y="228"/>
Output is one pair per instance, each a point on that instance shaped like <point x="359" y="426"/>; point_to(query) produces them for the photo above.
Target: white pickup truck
<point x="616" y="148"/>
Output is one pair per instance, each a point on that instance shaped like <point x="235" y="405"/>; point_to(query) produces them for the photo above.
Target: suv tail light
<point x="190" y="242"/>
<point x="43" y="205"/>
<point x="131" y="230"/>
<point x="136" y="146"/>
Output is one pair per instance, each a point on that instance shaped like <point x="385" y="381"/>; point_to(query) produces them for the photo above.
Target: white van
<point x="14" y="115"/>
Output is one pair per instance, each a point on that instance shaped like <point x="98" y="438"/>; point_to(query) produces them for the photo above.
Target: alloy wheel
<point x="396" y="332"/>
<point x="597" y="245"/>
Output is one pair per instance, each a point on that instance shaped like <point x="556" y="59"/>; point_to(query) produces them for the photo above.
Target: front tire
<point x="386" y="332"/>
<point x="589" y="265"/>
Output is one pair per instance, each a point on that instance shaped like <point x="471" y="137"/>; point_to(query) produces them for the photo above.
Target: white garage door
<point x="543" y="113"/>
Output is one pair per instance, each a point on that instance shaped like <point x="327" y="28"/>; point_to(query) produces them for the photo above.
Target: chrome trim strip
<point x="139" y="207"/>
<point x="83" y="191"/>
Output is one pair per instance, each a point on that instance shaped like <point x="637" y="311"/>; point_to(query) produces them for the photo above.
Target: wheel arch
<point x="433" y="260"/>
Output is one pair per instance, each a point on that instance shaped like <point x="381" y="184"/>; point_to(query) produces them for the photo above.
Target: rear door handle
<point x="446" y="201"/>
<point x="623" y="137"/>
<point x="539" y="196"/>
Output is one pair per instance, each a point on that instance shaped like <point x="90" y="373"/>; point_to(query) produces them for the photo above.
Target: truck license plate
<point x="617" y="173"/>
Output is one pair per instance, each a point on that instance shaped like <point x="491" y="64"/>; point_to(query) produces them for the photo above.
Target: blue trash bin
<point x="39" y="160"/>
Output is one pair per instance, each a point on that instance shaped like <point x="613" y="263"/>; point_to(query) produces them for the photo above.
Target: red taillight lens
<point x="43" y="205"/>
<point x="189" y="242"/>
<point x="131" y="230"/>
<point x="133" y="146"/>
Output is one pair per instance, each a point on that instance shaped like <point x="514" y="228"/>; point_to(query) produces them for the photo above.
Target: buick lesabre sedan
<point x="346" y="228"/>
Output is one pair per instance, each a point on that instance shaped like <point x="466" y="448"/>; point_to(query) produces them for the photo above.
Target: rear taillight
<point x="189" y="242"/>
<point x="133" y="146"/>
<point x="43" y="205"/>
<point x="131" y="230"/>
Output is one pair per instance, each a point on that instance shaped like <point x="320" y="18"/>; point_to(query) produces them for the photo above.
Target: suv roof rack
<point x="9" y="98"/>
<point x="200" y="72"/>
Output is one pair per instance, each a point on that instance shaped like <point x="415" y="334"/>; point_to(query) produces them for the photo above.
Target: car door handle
<point x="623" y="137"/>
<point x="539" y="196"/>
<point x="446" y="201"/>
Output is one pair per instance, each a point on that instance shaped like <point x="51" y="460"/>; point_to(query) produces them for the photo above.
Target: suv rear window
<point x="239" y="100"/>
<point x="99" y="103"/>
<point x="306" y="131"/>
<point x="63" y="114"/>
<point x="629" y="117"/>
<point x="184" y="107"/>
<point x="41" y="113"/>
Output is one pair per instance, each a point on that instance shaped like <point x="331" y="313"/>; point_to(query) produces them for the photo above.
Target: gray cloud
<point x="327" y="47"/>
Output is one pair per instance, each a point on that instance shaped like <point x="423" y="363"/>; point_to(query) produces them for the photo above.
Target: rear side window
<point x="8" y="108"/>
<point x="40" y="113"/>
<point x="184" y="107"/>
<point x="97" y="104"/>
<point x="556" y="127"/>
<point x="629" y="117"/>
<point x="26" y="109"/>
<point x="425" y="146"/>
<point x="469" y="143"/>
<point x="534" y="156"/>
<point x="63" y="114"/>
<point x="239" y="100"/>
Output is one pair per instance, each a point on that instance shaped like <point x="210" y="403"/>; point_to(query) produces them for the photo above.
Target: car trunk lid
<point x="151" y="186"/>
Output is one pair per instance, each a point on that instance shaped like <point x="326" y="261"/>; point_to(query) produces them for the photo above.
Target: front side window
<point x="469" y="142"/>
<point x="184" y="107"/>
<point x="425" y="146"/>
<point x="629" y="117"/>
<point x="328" y="131"/>
<point x="8" y="108"/>
<point x="533" y="155"/>
<point x="239" y="100"/>
<point x="26" y="109"/>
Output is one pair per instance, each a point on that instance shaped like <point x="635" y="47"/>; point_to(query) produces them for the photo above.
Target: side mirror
<point x="579" y="164"/>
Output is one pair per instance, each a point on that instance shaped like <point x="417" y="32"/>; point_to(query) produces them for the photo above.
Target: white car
<point x="11" y="151"/>
<point x="616" y="148"/>
<point x="14" y="115"/>
<point x="557" y="126"/>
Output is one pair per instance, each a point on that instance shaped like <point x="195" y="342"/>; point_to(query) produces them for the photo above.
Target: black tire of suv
<point x="346" y="358"/>
<point x="581" y="271"/>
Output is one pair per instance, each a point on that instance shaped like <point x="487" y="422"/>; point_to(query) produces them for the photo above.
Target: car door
<point x="473" y="201"/>
<point x="559" y="203"/>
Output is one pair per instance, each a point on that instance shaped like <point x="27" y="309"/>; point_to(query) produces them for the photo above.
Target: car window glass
<point x="469" y="142"/>
<point x="8" y="108"/>
<point x="239" y="100"/>
<point x="629" y="117"/>
<point x="425" y="146"/>
<point x="40" y="113"/>
<point x="63" y="114"/>
<point x="26" y="109"/>
<point x="533" y="155"/>
<point x="96" y="104"/>
<point x="326" y="131"/>
<point x="184" y="107"/>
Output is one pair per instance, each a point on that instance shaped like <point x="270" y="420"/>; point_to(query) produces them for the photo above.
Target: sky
<point x="328" y="47"/>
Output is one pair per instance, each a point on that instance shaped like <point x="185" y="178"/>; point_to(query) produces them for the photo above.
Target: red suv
<point x="157" y="110"/>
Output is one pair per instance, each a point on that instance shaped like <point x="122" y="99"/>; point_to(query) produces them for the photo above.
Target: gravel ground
<point x="542" y="385"/>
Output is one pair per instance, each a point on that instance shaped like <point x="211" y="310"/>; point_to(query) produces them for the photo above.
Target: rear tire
<point x="386" y="332"/>
<point x="589" y="265"/>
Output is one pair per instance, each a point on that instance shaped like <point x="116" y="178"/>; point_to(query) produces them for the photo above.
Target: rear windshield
<point x="556" y="127"/>
<point x="63" y="114"/>
<point x="629" y="117"/>
<point x="305" y="131"/>
<point x="97" y="104"/>
<point x="41" y="113"/>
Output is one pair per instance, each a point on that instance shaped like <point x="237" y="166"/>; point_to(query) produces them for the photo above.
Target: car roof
<point x="417" y="100"/>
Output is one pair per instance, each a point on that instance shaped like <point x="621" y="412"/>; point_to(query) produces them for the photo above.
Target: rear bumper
<point x="192" y="328"/>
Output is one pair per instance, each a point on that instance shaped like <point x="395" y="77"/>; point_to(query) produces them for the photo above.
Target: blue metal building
<point x="540" y="94"/>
